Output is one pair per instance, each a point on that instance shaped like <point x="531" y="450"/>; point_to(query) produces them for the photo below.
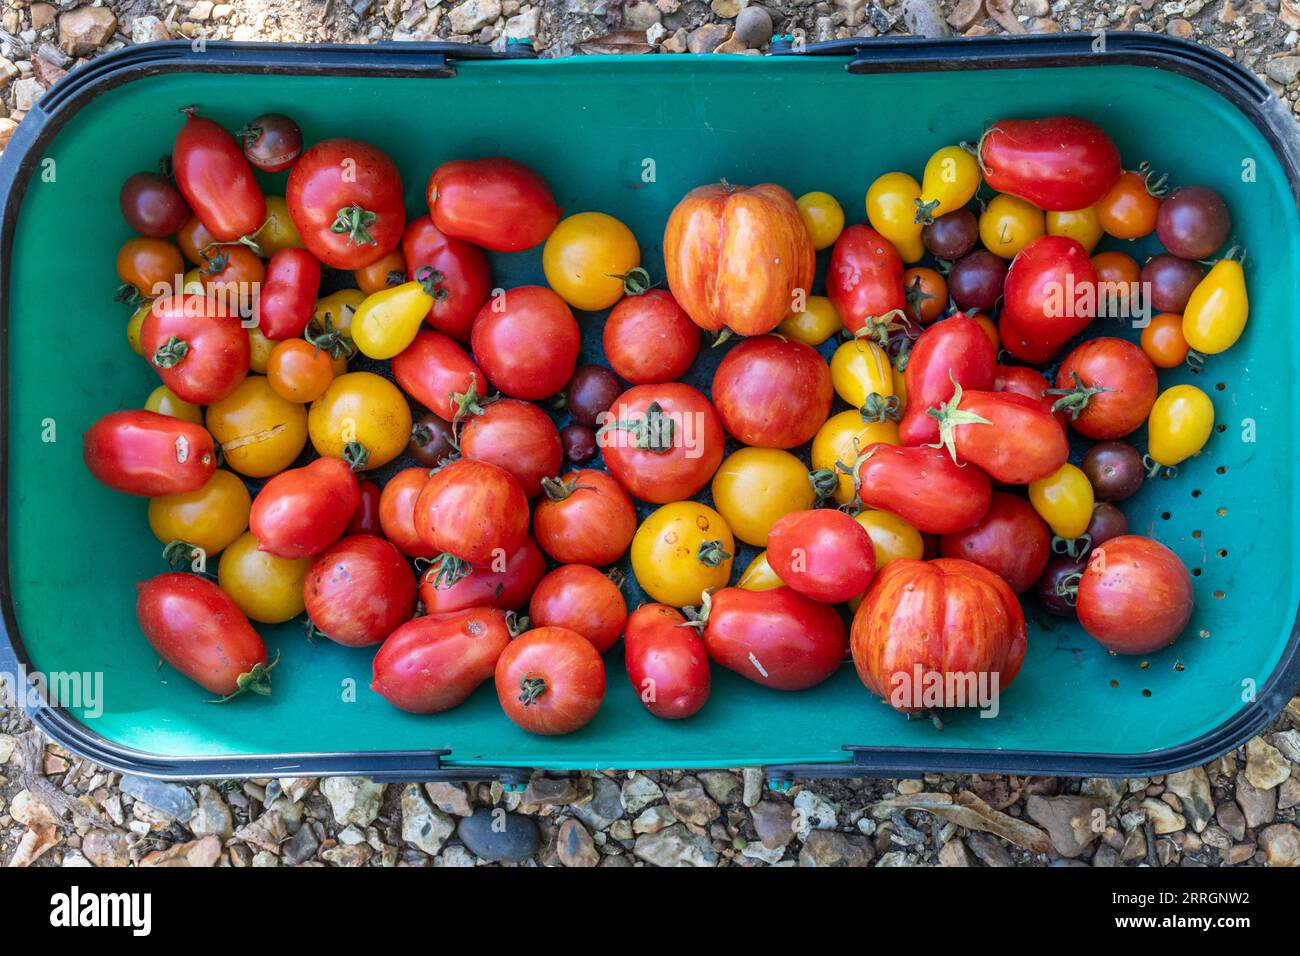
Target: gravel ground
<point x="59" y="810"/>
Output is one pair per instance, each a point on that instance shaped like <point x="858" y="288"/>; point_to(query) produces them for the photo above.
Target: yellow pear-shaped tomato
<point x="838" y="442"/>
<point x="891" y="209"/>
<point x="1064" y="500"/>
<point x="587" y="260"/>
<point x="759" y="576"/>
<point x="260" y="433"/>
<point x="1081" y="225"/>
<point x="1216" y="312"/>
<point x="278" y="232"/>
<point x="680" y="550"/>
<point x="362" y="418"/>
<point x="165" y="402"/>
<point x="823" y="217"/>
<point x="950" y="181"/>
<point x="209" y="518"/>
<point x="1008" y="224"/>
<point x="816" y="323"/>
<point x="862" y="376"/>
<point x="386" y="322"/>
<point x="754" y="487"/>
<point x="267" y="588"/>
<point x="1179" y="425"/>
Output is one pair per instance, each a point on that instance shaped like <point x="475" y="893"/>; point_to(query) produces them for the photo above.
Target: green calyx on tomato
<point x="356" y="222"/>
<point x="636" y="281"/>
<point x="128" y="294"/>
<point x="1074" y="547"/>
<point x="880" y="328"/>
<point x="469" y="402"/>
<point x="531" y="688"/>
<point x="444" y="570"/>
<point x="557" y="489"/>
<point x="698" y="617"/>
<point x="881" y="408"/>
<point x="430" y="280"/>
<point x="712" y="553"/>
<point x="329" y="338"/>
<point x="257" y="680"/>
<point x="654" y="431"/>
<point x="824" y="482"/>
<point x="170" y="352"/>
<point x="356" y="455"/>
<point x="181" y="554"/>
<point x="1075" y="400"/>
<point x="949" y="416"/>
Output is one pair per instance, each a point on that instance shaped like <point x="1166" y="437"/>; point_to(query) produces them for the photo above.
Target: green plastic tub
<point x="629" y="136"/>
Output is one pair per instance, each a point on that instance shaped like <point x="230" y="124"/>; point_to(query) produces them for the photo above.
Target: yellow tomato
<point x="840" y="439"/>
<point x="210" y="518"/>
<point x="267" y="588"/>
<point x="164" y="401"/>
<point x="386" y="322"/>
<point x="1216" y="312"/>
<point x="362" y="418"/>
<point x="814" y="325"/>
<point x="1179" y="425"/>
<point x="759" y="576"/>
<point x="1081" y="225"/>
<point x="259" y="432"/>
<point x="822" y="216"/>
<point x="589" y="260"/>
<point x="863" y="377"/>
<point x="950" y="181"/>
<point x="259" y="350"/>
<point x="756" y="486"/>
<point x="681" y="550"/>
<point x="891" y="538"/>
<point x="891" y="210"/>
<point x="1009" y="224"/>
<point x="192" y="282"/>
<point x="1064" y="500"/>
<point x="133" y="328"/>
<point x="900" y="387"/>
<point x="334" y="313"/>
<point x="279" y="232"/>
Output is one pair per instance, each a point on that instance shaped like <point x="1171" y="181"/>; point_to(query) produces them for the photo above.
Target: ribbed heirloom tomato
<point x="550" y="681"/>
<point x="662" y="442"/>
<point x="359" y="591"/>
<point x="772" y="393"/>
<point x="431" y="664"/>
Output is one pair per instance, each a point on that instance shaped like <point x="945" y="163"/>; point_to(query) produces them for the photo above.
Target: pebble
<point x="1193" y="789"/>
<point x="639" y="792"/>
<point x="551" y="791"/>
<point x="1288" y="795"/>
<point x="212" y="816"/>
<point x="1178" y="27"/>
<point x="752" y="780"/>
<point x="675" y="846"/>
<point x="954" y="854"/>
<point x="774" y="823"/>
<point x="107" y="848"/>
<point x="1162" y="817"/>
<point x="689" y="802"/>
<point x="721" y="785"/>
<point x="302" y="846"/>
<point x="1069" y="821"/>
<point x="449" y="798"/>
<point x="641" y="15"/>
<point x="925" y="18"/>
<point x="424" y="825"/>
<point x="473" y="15"/>
<point x="604" y="807"/>
<point x="1281" y="845"/>
<point x="353" y="800"/>
<point x="1232" y="819"/>
<point x="496" y="835"/>
<point x="1257" y="806"/>
<point x="574" y="845"/>
<point x="169" y="799"/>
<point x="26" y="92"/>
<point x="832" y="848"/>
<point x="455" y="856"/>
<point x="813" y="812"/>
<point x="753" y="27"/>
<point x="1265" y="765"/>
<point x="707" y="37"/>
<point x="84" y="30"/>
<point x="653" y="820"/>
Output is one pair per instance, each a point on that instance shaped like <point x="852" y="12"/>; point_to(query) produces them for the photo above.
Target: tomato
<point x="1180" y="424"/>
<point x="210" y="518"/>
<point x="496" y="203"/>
<point x="1009" y="224"/>
<point x="777" y="638"/>
<point x="1107" y="386"/>
<point x="216" y="179"/>
<point x="1021" y="380"/>
<point x="527" y="342"/>
<point x="271" y="142"/>
<point x="771" y="392"/>
<point x="197" y="629"/>
<point x="331" y="325"/>
<point x="151" y="266"/>
<point x="1193" y="222"/>
<point x="397" y="511"/>
<point x="432" y="664"/>
<point x="1064" y="500"/>
<point x="506" y="585"/>
<point x="201" y="356"/>
<point x="892" y="538"/>
<point x="1170" y="281"/>
<point x="590" y="394"/>
<point x="194" y="241"/>
<point x="301" y="512"/>
<point x="164" y="401"/>
<point x="1084" y="226"/>
<point x="1114" y="470"/>
<point x="277" y="231"/>
<point x="591" y="259"/>
<point x="387" y="271"/>
<point x="667" y="663"/>
<point x="1059" y="162"/>
<point x="358" y="591"/>
<point x="1128" y="210"/>
<point x="1011" y="540"/>
<point x="812" y="325"/>
<point x="440" y="375"/>
<point x="287" y="299"/>
<point x="737" y="256"/>
<point x="755" y="486"/>
<point x="1010" y="436"/>
<point x="473" y="511"/>
<point x="976" y="280"/>
<point x="923" y="486"/>
<point x="864" y="279"/>
<point x="345" y="199"/>
<point x="837" y="443"/>
<point x="580" y="598"/>
<point x="147" y="454"/>
<point x="822" y="216"/>
<point x="954" y="352"/>
<point x="927" y="294"/>
<point x="681" y="550"/>
<point x="649" y="338"/>
<point x="152" y="205"/>
<point x="466" y="276"/>
<point x="362" y="418"/>
<point x="133" y="327"/>
<point x="260" y="432"/>
<point x="893" y="204"/>
<point x="662" y="442"/>
<point x="550" y="681"/>
<point x="388" y="320"/>
<point x="759" y="576"/>
<point x="927" y="629"/>
<point x="1135" y="595"/>
<point x="821" y="553"/>
<point x="259" y="351"/>
<point x="432" y="440"/>
<point x="266" y="588"/>
<point x="517" y="436"/>
<point x="1049" y="297"/>
<point x="299" y="372"/>
<point x="1118" y="291"/>
<point x="365" y="519"/>
<point x="950" y="181"/>
<point x="232" y="276"/>
<point x="1162" y="340"/>
<point x="585" y="518"/>
<point x="1217" y="310"/>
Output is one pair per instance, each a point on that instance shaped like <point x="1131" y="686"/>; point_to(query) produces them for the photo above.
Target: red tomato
<point x="923" y="486"/>
<point x="302" y="511"/>
<point x="821" y="553"/>
<point x="440" y="375"/>
<point x="359" y="590"/>
<point x="201" y="353"/>
<point x="496" y="203"/>
<point x="864" y="280"/>
<point x="139" y="452"/>
<point x="1056" y="163"/>
<point x="649" y="338"/>
<point x="662" y="442"/>
<point x="217" y="180"/>
<point x="1010" y="540"/>
<point x="1010" y="436"/>
<point x="955" y="350"/>
<point x="287" y="299"/>
<point x="1022" y="380"/>
<point x="433" y="663"/>
<point x="777" y="638"/>
<point x="1135" y="596"/>
<point x="772" y="392"/>
<point x="1049" y="297"/>
<point x="527" y="342"/>
<point x="345" y="198"/>
<point x="1107" y="386"/>
<point x="550" y="681"/>
<point x="466" y="276"/>
<point x="579" y="597"/>
<point x="517" y="436"/>
<point x="473" y="511"/>
<point x="667" y="664"/>
<point x="397" y="511"/>
<point x="508" y="588"/>
<point x="585" y="518"/>
<point x="152" y="205"/>
<point x="365" y="520"/>
<point x="946" y="622"/>
<point x="199" y="630"/>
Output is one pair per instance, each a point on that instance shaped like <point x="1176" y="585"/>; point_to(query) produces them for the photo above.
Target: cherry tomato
<point x="496" y="203"/>
<point x="771" y="392"/>
<point x="210" y="518"/>
<point x="518" y="437"/>
<point x="529" y="345"/>
<point x="927" y="294"/>
<point x="578" y="442"/>
<point x="231" y="278"/>
<point x="550" y="681"/>
<point x="139" y="452"/>
<point x="1011" y="540"/>
<point x="822" y="216"/>
<point x="662" y="442"/>
<point x="812" y="325"/>
<point x="892" y="538"/>
<point x="260" y="432"/>
<point x="837" y="444"/>
<point x="822" y="553"/>
<point x="1064" y="500"/>
<point x="287" y="300"/>
<point x="976" y="280"/>
<point x="301" y="512"/>
<point x="1129" y="209"/>
<point x="1118" y="291"/>
<point x="1107" y="385"/>
<point x="1162" y="340"/>
<point x="1058" y="587"/>
<point x="667" y="663"/>
<point x="432" y="664"/>
<point x="331" y="325"/>
<point x="953" y="352"/>
<point x="299" y="372"/>
<point x="589" y="261"/>
<point x="259" y="351"/>
<point x="1193" y="222"/>
<point x="506" y="585"/>
<point x="1010" y="436"/>
<point x="466" y="276"/>
<point x="893" y="201"/>
<point x="397" y="511"/>
<point x="759" y="576"/>
<point x="1170" y="280"/>
<point x="278" y="231"/>
<point x="864" y="279"/>
<point x="133" y="327"/>
<point x="951" y="178"/>
<point x="681" y="550"/>
<point x="591" y="392"/>
<point x="383" y="273"/>
<point x="200" y="354"/>
<point x="266" y="588"/>
<point x="195" y="240"/>
<point x="649" y="338"/>
<point x="1114" y="469"/>
<point x="345" y="199"/>
<point x="164" y="401"/>
<point x="1107" y="522"/>
<point x="216" y="179"/>
<point x="951" y="235"/>
<point x="1135" y="596"/>
<point x="150" y="265"/>
<point x="1009" y="224"/>
<point x="580" y="598"/>
<point x="473" y="511"/>
<point x="923" y="486"/>
<point x="362" y="418"/>
<point x="1059" y="162"/>
<point x="1180" y="424"/>
<point x="754" y="487"/>
<point x="1218" y="307"/>
<point x="585" y="517"/>
<point x="389" y="320"/>
<point x="1049" y="297"/>
<point x="440" y="375"/>
<point x="359" y="591"/>
<point x="1084" y="226"/>
<point x="432" y="441"/>
<point x="272" y="142"/>
<point x="152" y="205"/>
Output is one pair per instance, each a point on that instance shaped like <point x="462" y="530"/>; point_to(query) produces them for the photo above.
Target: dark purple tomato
<point x="1170" y="281"/>
<point x="592" y="390"/>
<point x="952" y="235"/>
<point x="1193" y="222"/>
<point x="153" y="206"/>
<point x="272" y="142"/>
<point x="1107" y="522"/>
<point x="975" y="281"/>
<point x="1114" y="469"/>
<point x="431" y="440"/>
<point x="579" y="443"/>
<point x="1056" y="589"/>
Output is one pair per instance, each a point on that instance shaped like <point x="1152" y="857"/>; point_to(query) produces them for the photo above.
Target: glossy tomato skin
<point x="431" y="664"/>
<point x="1048" y="298"/>
<point x="143" y="453"/>
<point x="1127" y="377"/>
<point x="217" y="180"/>
<point x="667" y="664"/>
<point x="864" y="280"/>
<point x="397" y="511"/>
<point x="527" y="344"/>
<point x="1022" y="380"/>
<point x="585" y="517"/>
<point x="346" y="174"/>
<point x="822" y="553"/>
<point x="214" y="357"/>
<point x="954" y="350"/>
<point x="466" y="275"/>
<point x="591" y="391"/>
<point x="495" y="203"/>
<point x="945" y="616"/>
<point x="301" y="512"/>
<point x="550" y="681"/>
<point x="152" y="205"/>
<point x="359" y="590"/>
<point x="649" y="338"/>
<point x="1135" y="596"/>
<point x="1056" y="163"/>
<point x="777" y="638"/>
<point x="1010" y="540"/>
<point x="1017" y="442"/>
<point x="433" y="369"/>
<point x="473" y="510"/>
<point x="579" y="597"/>
<point x="287" y="299"/>
<point x="657" y="462"/>
<point x="772" y="392"/>
<point x="923" y="486"/>
<point x="508" y="588"/>
<point x="517" y="436"/>
<point x="365" y="520"/>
